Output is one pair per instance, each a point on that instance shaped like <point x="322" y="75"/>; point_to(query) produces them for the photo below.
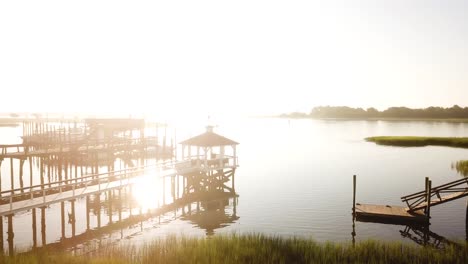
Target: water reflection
<point x="418" y="233"/>
<point x="211" y="215"/>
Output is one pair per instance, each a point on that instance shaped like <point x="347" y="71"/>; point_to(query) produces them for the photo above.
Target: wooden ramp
<point x="387" y="213"/>
<point x="433" y="196"/>
<point x="418" y="204"/>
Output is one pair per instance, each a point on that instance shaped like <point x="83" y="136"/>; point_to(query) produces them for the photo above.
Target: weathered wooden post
<point x="34" y="227"/>
<point x="466" y="221"/>
<point x="428" y="200"/>
<point x="98" y="206"/>
<point x="11" y="235"/>
<point x="120" y="205"/>
<point x="72" y="217"/>
<point x="109" y="197"/>
<point x="87" y="212"/>
<point x="354" y="197"/>
<point x="1" y="235"/>
<point x="426" y="184"/>
<point x="12" y="179"/>
<point x="62" y="218"/>
<point x="43" y="226"/>
<point x="164" y="190"/>
<point x="30" y="172"/>
<point x="21" y="174"/>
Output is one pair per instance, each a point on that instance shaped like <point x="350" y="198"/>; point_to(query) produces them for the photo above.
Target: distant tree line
<point x="392" y="112"/>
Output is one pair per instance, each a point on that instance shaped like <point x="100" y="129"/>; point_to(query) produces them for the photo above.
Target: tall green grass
<point x="254" y="249"/>
<point x="408" y="141"/>
<point x="461" y="167"/>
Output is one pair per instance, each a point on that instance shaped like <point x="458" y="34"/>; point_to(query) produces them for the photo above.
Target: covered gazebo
<point x="210" y="151"/>
<point x="209" y="161"/>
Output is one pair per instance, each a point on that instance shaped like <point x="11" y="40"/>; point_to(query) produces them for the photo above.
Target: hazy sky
<point x="213" y="57"/>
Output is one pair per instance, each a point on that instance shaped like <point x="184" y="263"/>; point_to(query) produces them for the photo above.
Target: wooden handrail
<point x="82" y="179"/>
<point x="434" y="189"/>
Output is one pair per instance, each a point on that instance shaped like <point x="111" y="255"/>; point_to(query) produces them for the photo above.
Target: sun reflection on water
<point x="145" y="191"/>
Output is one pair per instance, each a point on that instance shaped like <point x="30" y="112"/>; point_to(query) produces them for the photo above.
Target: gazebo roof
<point x="208" y="139"/>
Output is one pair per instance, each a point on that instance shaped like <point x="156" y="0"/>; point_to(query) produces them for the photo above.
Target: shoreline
<point x="252" y="248"/>
<point x="395" y="119"/>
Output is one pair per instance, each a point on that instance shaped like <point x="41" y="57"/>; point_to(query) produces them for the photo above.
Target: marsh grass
<point x="253" y="248"/>
<point x="461" y="167"/>
<point x="408" y="141"/>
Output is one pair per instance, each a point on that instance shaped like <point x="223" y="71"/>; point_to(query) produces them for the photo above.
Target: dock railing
<point x="422" y="199"/>
<point x="122" y="177"/>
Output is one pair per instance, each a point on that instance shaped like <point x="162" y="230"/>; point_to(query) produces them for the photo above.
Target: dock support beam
<point x="109" y="197"/>
<point x="354" y="197"/>
<point x="428" y="199"/>
<point x="87" y="212"/>
<point x="120" y="205"/>
<point x="164" y="190"/>
<point x="34" y="227"/>
<point x="12" y="179"/>
<point x="11" y="235"/>
<point x="43" y="226"/>
<point x="98" y="207"/>
<point x="1" y="235"/>
<point x="72" y="217"/>
<point x="62" y="218"/>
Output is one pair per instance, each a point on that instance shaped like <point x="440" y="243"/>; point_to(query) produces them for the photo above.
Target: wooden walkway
<point x="21" y="151"/>
<point x="66" y="190"/>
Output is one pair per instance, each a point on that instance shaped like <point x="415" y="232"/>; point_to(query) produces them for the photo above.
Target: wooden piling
<point x="164" y="190"/>
<point x="98" y="206"/>
<point x="428" y="199"/>
<point x="21" y="163"/>
<point x="109" y="198"/>
<point x="354" y="197"/>
<point x="1" y="160"/>
<point x="72" y="217"/>
<point x="62" y="218"/>
<point x="87" y="212"/>
<point x="120" y="206"/>
<point x="426" y="185"/>
<point x="233" y="182"/>
<point x="41" y="171"/>
<point x="43" y="226"/>
<point x="11" y="235"/>
<point x="34" y="227"/>
<point x="1" y="235"/>
<point x="12" y="179"/>
<point x="466" y="221"/>
<point x="30" y="171"/>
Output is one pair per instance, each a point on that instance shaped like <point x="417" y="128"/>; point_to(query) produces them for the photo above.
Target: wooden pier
<point x="61" y="175"/>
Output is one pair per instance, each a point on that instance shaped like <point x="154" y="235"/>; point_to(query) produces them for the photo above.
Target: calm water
<point x="295" y="179"/>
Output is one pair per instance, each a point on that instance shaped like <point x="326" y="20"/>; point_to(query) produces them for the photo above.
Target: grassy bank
<point x="255" y="249"/>
<point x="459" y="142"/>
<point x="461" y="167"/>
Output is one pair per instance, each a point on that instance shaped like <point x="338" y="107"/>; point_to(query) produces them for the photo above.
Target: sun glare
<point x="145" y="192"/>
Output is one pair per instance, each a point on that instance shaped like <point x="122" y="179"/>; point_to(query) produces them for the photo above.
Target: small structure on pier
<point x="109" y="128"/>
<point x="208" y="162"/>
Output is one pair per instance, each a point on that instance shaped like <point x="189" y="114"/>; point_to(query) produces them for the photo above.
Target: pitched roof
<point x="208" y="139"/>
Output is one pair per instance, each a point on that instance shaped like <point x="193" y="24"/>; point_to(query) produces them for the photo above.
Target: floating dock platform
<point x="388" y="214"/>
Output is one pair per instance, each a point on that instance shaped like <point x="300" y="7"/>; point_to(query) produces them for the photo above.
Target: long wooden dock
<point x="66" y="190"/>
